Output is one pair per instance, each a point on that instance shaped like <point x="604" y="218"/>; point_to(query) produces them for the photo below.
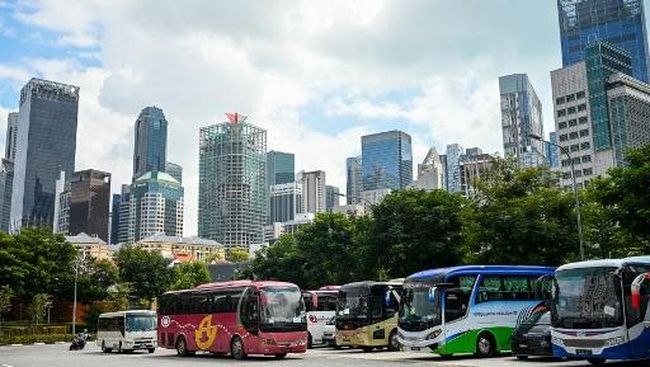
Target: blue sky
<point x="316" y="74"/>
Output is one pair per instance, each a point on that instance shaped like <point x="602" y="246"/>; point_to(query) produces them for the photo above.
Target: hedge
<point x="34" y="338"/>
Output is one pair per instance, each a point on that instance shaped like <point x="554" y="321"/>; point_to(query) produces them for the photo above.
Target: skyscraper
<point x="621" y="22"/>
<point x="387" y="160"/>
<point x="156" y="206"/>
<point x="331" y="197"/>
<point x="46" y="145"/>
<point x="354" y="182"/>
<point x="553" y="152"/>
<point x="150" y="146"/>
<point x="6" y="183"/>
<point x="124" y="219"/>
<point x="454" y="151"/>
<point x="115" y="219"/>
<point x="280" y="168"/>
<point x="285" y="202"/>
<point x="521" y="116"/>
<point x="431" y="173"/>
<point x="313" y="191"/>
<point x="233" y="196"/>
<point x="174" y="170"/>
<point x="84" y="204"/>
<point x="12" y="136"/>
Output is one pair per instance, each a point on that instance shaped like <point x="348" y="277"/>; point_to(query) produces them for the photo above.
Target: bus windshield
<point x="140" y="323"/>
<point x="416" y="312"/>
<point x="353" y="303"/>
<point x="283" y="306"/>
<point x="587" y="298"/>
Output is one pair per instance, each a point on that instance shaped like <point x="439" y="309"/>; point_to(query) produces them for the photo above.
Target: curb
<point x="16" y="345"/>
<point x="39" y="343"/>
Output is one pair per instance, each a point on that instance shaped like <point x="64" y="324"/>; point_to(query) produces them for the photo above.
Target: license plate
<point x="415" y="349"/>
<point x="584" y="352"/>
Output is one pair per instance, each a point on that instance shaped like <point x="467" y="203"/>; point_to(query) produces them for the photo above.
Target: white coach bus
<point x="126" y="331"/>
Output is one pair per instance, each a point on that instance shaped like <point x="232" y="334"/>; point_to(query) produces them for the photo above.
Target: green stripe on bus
<point x="466" y="342"/>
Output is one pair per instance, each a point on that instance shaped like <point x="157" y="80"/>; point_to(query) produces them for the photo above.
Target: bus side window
<point x="490" y="289"/>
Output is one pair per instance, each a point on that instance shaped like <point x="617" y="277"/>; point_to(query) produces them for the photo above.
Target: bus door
<point x="636" y="289"/>
<point x="249" y="311"/>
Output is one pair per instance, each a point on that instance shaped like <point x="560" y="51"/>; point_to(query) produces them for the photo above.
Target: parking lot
<point x="58" y="355"/>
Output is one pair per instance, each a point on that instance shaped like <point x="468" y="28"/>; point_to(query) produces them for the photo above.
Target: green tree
<point x="189" y="275"/>
<point x="36" y="259"/>
<point x="280" y="261"/>
<point x="38" y="307"/>
<point x="95" y="277"/>
<point x="6" y="297"/>
<point x="215" y="257"/>
<point x="518" y="216"/>
<point x="118" y="296"/>
<point x="410" y="231"/>
<point x="625" y="194"/>
<point x="237" y="255"/>
<point x="147" y="273"/>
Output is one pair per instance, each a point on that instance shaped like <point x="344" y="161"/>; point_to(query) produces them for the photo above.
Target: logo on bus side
<point x="205" y="333"/>
<point x="165" y="321"/>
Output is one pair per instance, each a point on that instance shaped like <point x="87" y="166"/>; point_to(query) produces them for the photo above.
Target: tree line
<point x="513" y="216"/>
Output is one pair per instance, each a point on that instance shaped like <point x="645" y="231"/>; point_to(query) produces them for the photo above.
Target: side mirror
<point x="636" y="290"/>
<point x="432" y="295"/>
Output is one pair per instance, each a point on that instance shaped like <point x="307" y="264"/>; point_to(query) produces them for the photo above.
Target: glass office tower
<point x="46" y="145"/>
<point x="280" y="168"/>
<point x="386" y="160"/>
<point x="150" y="146"/>
<point x="620" y="22"/>
<point x="354" y="182"/>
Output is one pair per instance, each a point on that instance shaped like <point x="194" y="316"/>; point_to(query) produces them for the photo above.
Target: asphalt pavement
<point x="58" y="355"/>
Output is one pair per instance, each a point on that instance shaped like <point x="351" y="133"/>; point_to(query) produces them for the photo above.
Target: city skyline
<point x="318" y="120"/>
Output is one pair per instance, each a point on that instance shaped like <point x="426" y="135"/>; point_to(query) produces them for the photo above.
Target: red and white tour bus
<point x="239" y="317"/>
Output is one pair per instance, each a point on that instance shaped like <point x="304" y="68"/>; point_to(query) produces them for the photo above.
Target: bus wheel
<point x="485" y="345"/>
<point x="367" y="349"/>
<point x="596" y="361"/>
<point x="104" y="349"/>
<point x="393" y="343"/>
<point x="280" y="356"/>
<point x="181" y="346"/>
<point x="151" y="350"/>
<point x="309" y="341"/>
<point x="119" y="348"/>
<point x="237" y="348"/>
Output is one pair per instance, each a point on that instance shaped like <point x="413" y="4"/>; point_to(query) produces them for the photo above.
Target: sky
<point x="317" y="74"/>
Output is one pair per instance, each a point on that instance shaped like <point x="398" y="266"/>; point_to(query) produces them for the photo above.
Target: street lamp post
<point x="80" y="258"/>
<point x="574" y="187"/>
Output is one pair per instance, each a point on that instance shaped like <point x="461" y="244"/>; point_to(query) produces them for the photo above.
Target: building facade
<point x="6" y="184"/>
<point x="472" y="167"/>
<point x="233" y="196"/>
<point x="124" y="221"/>
<point x="521" y="116"/>
<point x="332" y="196"/>
<point x="115" y="219"/>
<point x="12" y="136"/>
<point x="620" y="22"/>
<point x="156" y="205"/>
<point x="453" y="153"/>
<point x="431" y="173"/>
<point x="45" y="146"/>
<point x="386" y="160"/>
<point x="174" y="170"/>
<point x="371" y="198"/>
<point x="171" y="247"/>
<point x="150" y="142"/>
<point x="280" y="168"/>
<point x="354" y="180"/>
<point x="314" y="197"/>
<point x="90" y="246"/>
<point x="629" y="115"/>
<point x="285" y="202"/>
<point x="84" y="204"/>
<point x="552" y="150"/>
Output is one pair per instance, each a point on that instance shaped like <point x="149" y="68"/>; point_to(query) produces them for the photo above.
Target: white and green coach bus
<point x="469" y="309"/>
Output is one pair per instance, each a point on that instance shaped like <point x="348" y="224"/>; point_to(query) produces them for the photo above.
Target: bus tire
<point x="393" y="343"/>
<point x="367" y="349"/>
<point x="151" y="350"/>
<point x="104" y="349"/>
<point x="310" y="342"/>
<point x="485" y="345"/>
<point x="280" y="356"/>
<point x="596" y="361"/>
<point x="119" y="348"/>
<point x="181" y="346"/>
<point x="237" y="348"/>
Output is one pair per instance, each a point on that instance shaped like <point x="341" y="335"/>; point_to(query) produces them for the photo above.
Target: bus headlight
<point x="434" y="334"/>
<point x="557" y="341"/>
<point x="615" y="341"/>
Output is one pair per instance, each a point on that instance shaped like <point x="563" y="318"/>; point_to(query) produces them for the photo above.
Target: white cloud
<point x="272" y="59"/>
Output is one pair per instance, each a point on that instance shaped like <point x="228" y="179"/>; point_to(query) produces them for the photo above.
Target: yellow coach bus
<point x="366" y="315"/>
